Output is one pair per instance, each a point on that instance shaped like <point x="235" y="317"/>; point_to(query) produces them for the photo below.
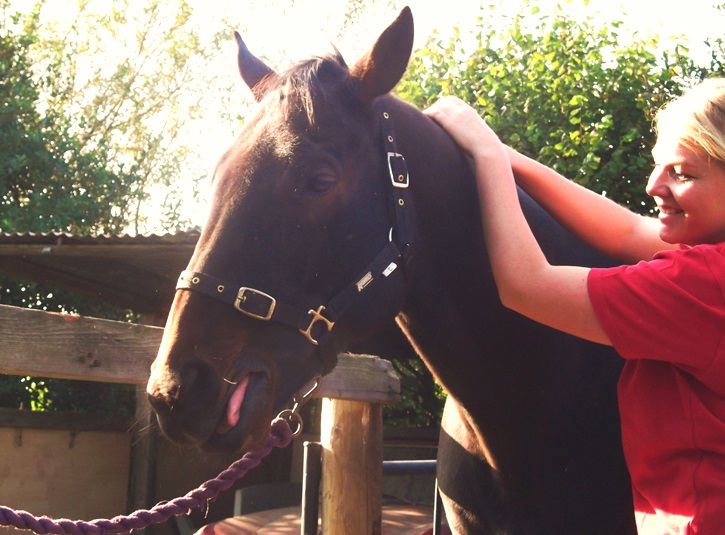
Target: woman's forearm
<point x="596" y="220"/>
<point x="553" y="295"/>
<point x="515" y="256"/>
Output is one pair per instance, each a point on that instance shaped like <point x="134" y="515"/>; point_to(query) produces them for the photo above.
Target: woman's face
<point x="689" y="188"/>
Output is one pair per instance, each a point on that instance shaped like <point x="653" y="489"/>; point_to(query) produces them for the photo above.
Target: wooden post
<point x="352" y="467"/>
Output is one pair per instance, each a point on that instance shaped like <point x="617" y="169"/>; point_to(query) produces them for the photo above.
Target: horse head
<point x="304" y="250"/>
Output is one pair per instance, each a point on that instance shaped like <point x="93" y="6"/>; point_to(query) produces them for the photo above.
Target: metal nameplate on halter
<point x="362" y="283"/>
<point x="248" y="302"/>
<point x="399" y="180"/>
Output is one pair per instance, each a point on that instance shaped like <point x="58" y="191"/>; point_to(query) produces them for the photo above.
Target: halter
<point x="264" y="307"/>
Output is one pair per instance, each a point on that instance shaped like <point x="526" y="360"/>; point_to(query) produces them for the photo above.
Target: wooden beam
<point x="47" y="344"/>
<point x="73" y="347"/>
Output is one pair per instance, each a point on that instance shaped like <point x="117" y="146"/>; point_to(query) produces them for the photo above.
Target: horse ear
<point x="252" y="69"/>
<point x="383" y="66"/>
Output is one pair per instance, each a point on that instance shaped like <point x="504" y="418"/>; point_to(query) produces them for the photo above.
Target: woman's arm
<point x="553" y="295"/>
<point x="596" y="220"/>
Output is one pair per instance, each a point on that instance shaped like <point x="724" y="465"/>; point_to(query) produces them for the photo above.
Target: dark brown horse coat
<point x="303" y="206"/>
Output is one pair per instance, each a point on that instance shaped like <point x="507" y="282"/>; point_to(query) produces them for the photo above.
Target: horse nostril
<point x="172" y="393"/>
<point x="163" y="395"/>
<point x="192" y="389"/>
<point x="198" y="380"/>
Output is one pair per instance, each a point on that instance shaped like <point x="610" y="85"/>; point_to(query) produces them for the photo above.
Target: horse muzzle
<point x="199" y="405"/>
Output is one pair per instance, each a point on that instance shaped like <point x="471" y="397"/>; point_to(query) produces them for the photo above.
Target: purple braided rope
<point x="280" y="437"/>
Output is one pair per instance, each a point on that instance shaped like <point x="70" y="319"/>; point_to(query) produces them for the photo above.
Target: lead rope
<point x="280" y="437"/>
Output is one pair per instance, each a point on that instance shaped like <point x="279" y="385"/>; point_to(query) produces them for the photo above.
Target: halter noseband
<point x="262" y="306"/>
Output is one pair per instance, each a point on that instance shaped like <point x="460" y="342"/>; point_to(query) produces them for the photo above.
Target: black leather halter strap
<point x="261" y="306"/>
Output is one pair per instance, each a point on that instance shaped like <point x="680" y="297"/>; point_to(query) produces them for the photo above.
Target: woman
<point x="665" y="313"/>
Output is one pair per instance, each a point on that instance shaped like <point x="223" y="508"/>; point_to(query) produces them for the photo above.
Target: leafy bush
<point x="573" y="95"/>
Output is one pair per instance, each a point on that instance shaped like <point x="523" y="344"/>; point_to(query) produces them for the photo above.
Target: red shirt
<point x="667" y="318"/>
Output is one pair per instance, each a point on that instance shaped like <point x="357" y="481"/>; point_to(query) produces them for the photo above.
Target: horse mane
<point x="308" y="82"/>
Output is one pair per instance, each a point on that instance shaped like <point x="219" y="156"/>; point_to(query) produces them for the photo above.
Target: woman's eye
<point x="682" y="177"/>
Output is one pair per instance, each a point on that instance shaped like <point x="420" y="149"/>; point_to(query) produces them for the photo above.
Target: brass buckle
<point x="242" y="297"/>
<point x="317" y="316"/>
<point x="400" y="181"/>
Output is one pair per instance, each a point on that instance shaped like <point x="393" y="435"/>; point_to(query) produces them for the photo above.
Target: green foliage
<point x="91" y="116"/>
<point x="47" y="182"/>
<point x="570" y="94"/>
<point x="36" y="394"/>
<point x="421" y="398"/>
<point x="37" y="390"/>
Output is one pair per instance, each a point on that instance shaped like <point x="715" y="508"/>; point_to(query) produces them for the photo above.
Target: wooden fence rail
<point x="46" y="344"/>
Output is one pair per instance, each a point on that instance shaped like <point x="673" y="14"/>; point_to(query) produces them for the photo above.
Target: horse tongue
<point x="233" y="407"/>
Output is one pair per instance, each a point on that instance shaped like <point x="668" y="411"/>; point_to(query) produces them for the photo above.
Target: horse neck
<point x="454" y="315"/>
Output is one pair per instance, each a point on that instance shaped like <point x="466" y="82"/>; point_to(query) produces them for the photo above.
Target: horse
<point x="340" y="208"/>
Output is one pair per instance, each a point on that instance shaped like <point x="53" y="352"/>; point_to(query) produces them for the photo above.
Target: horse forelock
<point x="307" y="84"/>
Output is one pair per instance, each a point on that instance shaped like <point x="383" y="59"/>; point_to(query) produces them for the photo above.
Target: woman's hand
<point x="466" y="127"/>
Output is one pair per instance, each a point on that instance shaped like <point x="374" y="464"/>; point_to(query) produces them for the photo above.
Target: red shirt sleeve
<point x="671" y="309"/>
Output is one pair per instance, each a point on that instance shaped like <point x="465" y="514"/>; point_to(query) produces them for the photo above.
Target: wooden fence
<point x="71" y="347"/>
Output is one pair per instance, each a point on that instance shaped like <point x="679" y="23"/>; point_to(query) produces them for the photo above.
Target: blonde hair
<point x="697" y="119"/>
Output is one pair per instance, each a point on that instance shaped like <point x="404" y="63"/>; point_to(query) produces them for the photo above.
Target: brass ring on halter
<point x="292" y="417"/>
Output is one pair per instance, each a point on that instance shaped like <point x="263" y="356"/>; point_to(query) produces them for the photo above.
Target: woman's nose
<point x="657" y="183"/>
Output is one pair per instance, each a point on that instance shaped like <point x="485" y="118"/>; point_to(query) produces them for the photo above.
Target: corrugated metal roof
<point x="132" y="271"/>
<point x="54" y="238"/>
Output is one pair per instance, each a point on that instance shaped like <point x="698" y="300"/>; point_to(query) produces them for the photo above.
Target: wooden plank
<point x="71" y="347"/>
<point x="46" y="344"/>
<point x="352" y="459"/>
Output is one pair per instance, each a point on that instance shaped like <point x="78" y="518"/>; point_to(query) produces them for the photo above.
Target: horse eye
<point x="321" y="182"/>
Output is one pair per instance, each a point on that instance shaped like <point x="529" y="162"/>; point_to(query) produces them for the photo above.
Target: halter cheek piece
<point x="262" y="306"/>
